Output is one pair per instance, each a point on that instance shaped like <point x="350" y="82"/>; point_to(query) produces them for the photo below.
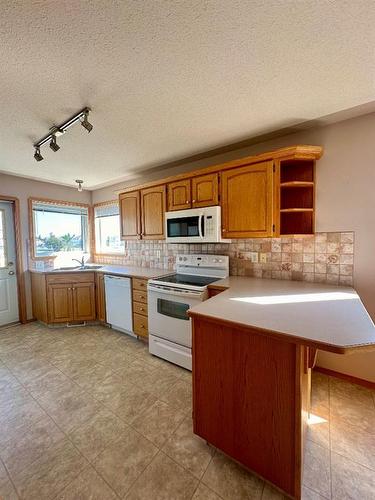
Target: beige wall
<point x="345" y="202"/>
<point x="23" y="189"/>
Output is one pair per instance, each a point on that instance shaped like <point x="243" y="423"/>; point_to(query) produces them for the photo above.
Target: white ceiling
<point x="168" y="79"/>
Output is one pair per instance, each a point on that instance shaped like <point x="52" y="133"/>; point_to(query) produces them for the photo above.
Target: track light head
<point x="37" y="155"/>
<point x="79" y="182"/>
<point x="85" y="123"/>
<point x="53" y="144"/>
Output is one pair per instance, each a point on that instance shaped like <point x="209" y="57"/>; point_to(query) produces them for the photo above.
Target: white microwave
<point x="196" y="225"/>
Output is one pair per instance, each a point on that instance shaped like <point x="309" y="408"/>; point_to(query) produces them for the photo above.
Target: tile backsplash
<point x="320" y="258"/>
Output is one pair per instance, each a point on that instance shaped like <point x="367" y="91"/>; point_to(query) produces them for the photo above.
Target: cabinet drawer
<point x="139" y="284"/>
<point x="140" y="325"/>
<point x="71" y="278"/>
<point x="139" y="296"/>
<point x="140" y="308"/>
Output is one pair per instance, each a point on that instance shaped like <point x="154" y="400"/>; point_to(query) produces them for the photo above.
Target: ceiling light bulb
<point x="86" y="124"/>
<point x="37" y="155"/>
<point x="53" y="144"/>
<point x="79" y="182"/>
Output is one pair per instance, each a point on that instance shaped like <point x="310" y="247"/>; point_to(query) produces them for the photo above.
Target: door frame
<point x="19" y="260"/>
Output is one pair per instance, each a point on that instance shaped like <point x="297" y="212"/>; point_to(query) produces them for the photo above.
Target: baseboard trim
<point x="349" y="378"/>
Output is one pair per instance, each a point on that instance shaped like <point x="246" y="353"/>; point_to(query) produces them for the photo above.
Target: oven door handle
<point x="174" y="292"/>
<point x="200" y="226"/>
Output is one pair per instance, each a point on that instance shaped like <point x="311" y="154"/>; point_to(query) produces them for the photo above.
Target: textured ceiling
<point x="168" y="79"/>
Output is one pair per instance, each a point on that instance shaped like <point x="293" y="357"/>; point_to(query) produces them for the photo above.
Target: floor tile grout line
<point x="70" y="440"/>
<point x="61" y="430"/>
<point x="89" y="464"/>
<point x="10" y="478"/>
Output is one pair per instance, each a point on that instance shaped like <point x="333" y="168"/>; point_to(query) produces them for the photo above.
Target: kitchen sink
<point x="77" y="268"/>
<point x="67" y="268"/>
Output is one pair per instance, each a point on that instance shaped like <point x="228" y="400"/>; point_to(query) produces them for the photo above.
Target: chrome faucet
<point x="81" y="262"/>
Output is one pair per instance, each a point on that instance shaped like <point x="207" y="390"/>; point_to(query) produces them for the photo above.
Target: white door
<point x="8" y="271"/>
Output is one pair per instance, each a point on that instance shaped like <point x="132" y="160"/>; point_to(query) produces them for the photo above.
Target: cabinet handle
<point x="141" y="309"/>
<point x="193" y="201"/>
<point x="187" y="202"/>
<point x="224" y="230"/>
<point x="142" y="326"/>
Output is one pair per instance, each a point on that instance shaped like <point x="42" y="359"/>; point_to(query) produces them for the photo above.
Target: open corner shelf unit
<point x="297" y="196"/>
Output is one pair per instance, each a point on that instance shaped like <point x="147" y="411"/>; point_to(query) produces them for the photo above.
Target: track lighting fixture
<point x="79" y="182"/>
<point x="86" y="124"/>
<point x="53" y="144"/>
<point x="37" y="155"/>
<point x="59" y="130"/>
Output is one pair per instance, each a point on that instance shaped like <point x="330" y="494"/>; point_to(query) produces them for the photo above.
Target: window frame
<point x="104" y="204"/>
<point x="87" y="206"/>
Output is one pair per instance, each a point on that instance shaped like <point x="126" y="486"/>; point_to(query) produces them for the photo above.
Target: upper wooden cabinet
<point x="153" y="201"/>
<point x="247" y="201"/>
<point x="179" y="195"/>
<point x="130" y="215"/>
<point x="200" y="191"/>
<point x="142" y="214"/>
<point x="205" y="190"/>
<point x="270" y="194"/>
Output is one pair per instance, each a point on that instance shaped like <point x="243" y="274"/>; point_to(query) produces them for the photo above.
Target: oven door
<point x="167" y="313"/>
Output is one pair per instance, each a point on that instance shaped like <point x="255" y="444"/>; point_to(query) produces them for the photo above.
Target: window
<point x="107" y="229"/>
<point x="59" y="230"/>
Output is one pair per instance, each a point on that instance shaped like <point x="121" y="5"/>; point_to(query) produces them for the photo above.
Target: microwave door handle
<point x="200" y="226"/>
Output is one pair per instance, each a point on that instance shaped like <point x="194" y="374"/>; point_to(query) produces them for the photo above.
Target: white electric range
<point x="169" y="299"/>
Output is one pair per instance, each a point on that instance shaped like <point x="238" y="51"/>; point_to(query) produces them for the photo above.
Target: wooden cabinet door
<point x="246" y="199"/>
<point x="130" y="215"/>
<point x="179" y="195"/>
<point x="100" y="298"/>
<point x="205" y="190"/>
<point x="84" y="301"/>
<point x="60" y="306"/>
<point x="153" y="201"/>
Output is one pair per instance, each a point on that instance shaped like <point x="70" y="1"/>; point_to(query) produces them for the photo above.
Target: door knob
<point x="11" y="273"/>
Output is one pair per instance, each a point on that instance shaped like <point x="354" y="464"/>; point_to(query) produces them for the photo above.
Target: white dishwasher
<point x="118" y="298"/>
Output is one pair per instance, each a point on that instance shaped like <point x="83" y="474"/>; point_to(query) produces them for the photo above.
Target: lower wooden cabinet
<point x="64" y="298"/>
<point x="140" y="309"/>
<point x="60" y="303"/>
<point x="100" y="298"/>
<point x="84" y="301"/>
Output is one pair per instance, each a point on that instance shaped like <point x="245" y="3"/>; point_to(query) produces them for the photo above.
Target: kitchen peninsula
<point x="254" y="344"/>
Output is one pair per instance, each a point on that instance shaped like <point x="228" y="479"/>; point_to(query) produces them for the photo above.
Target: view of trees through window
<point x="59" y="229"/>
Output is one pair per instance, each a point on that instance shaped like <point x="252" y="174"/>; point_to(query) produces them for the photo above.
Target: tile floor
<point x="87" y="413"/>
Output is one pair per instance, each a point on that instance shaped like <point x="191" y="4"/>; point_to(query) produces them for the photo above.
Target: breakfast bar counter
<point x="254" y="344"/>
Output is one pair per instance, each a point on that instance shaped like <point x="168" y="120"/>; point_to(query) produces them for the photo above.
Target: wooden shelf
<point x="284" y="210"/>
<point x="296" y="184"/>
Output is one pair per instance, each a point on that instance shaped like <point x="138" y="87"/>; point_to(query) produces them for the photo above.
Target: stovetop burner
<point x="187" y="279"/>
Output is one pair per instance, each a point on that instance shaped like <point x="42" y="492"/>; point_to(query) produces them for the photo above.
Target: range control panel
<point x="203" y="264"/>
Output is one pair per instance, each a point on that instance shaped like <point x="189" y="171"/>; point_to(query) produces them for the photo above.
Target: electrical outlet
<point x="263" y="258"/>
<point x="254" y="256"/>
<point x="158" y="254"/>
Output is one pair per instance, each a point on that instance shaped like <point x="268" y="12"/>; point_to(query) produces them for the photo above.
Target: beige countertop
<point x="327" y="317"/>
<point x="129" y="271"/>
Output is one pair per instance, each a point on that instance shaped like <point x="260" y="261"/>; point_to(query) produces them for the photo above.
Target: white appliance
<point x="196" y="225"/>
<point x="169" y="299"/>
<point x="118" y="298"/>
